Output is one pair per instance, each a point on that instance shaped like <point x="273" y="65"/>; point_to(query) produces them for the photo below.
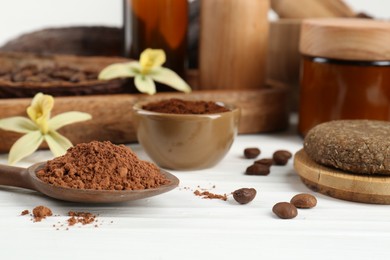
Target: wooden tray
<point x="341" y="185"/>
<point x="10" y="61"/>
<point x="262" y="110"/>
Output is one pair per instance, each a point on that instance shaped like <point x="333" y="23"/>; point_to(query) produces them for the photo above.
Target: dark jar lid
<point x="346" y="39"/>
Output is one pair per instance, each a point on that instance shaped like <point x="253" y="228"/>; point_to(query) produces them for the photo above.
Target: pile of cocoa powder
<point x="101" y="166"/>
<point x="178" y="106"/>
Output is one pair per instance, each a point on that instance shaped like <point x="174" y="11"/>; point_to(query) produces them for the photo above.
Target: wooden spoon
<point x="26" y="178"/>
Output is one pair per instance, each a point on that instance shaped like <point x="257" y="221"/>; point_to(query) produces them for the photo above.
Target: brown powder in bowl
<point x="178" y="106"/>
<point x="101" y="166"/>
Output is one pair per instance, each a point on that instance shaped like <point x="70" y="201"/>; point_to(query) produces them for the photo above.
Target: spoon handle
<point x="15" y="176"/>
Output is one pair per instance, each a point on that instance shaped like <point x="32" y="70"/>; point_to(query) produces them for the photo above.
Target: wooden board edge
<point x="348" y="196"/>
<point x="341" y="185"/>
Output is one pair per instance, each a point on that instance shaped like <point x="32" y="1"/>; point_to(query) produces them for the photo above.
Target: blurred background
<point x="22" y="16"/>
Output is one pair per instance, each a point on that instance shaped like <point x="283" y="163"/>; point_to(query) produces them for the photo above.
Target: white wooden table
<point x="180" y="225"/>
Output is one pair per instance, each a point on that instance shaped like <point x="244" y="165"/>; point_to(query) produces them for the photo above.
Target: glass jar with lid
<point x="345" y="71"/>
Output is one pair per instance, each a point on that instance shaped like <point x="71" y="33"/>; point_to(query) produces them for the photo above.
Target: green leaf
<point x="58" y="143"/>
<point x="120" y="70"/>
<point x="170" y="78"/>
<point x="145" y="84"/>
<point x="24" y="146"/>
<point x="18" y="124"/>
<point x="67" y="118"/>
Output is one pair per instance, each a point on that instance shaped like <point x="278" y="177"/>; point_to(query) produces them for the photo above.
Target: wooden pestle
<point x="233" y="44"/>
<point x="338" y="7"/>
<point x="311" y="8"/>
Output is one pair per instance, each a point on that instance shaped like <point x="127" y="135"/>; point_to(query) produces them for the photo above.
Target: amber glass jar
<point x="158" y="24"/>
<point x="345" y="71"/>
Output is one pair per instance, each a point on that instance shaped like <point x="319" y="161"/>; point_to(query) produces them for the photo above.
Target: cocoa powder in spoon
<point x="101" y="166"/>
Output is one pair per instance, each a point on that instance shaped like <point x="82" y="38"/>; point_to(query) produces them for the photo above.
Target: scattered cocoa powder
<point x="72" y="221"/>
<point x="41" y="212"/>
<point x="25" y="212"/>
<point x="80" y="217"/>
<point x="101" y="166"/>
<point x="84" y="218"/>
<point x="178" y="106"/>
<point x="209" y="195"/>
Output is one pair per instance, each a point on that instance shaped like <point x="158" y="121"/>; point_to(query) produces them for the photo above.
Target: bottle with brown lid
<point x="345" y="71"/>
<point x="157" y="24"/>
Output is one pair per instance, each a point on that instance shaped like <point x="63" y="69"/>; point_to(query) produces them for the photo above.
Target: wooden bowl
<point x="186" y="141"/>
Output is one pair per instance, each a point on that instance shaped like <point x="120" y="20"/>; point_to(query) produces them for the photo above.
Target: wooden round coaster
<point x="338" y="184"/>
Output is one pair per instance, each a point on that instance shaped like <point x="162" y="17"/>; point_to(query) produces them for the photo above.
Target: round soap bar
<point x="357" y="146"/>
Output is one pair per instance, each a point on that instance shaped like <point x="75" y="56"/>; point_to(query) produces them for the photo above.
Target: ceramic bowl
<point x="186" y="141"/>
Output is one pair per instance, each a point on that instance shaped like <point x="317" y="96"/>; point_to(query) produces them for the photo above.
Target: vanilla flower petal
<point x="24" y="146"/>
<point x="40" y="108"/>
<point x="145" y="84"/>
<point x="39" y="127"/>
<point x="170" y="78"/>
<point x="33" y="110"/>
<point x="150" y="59"/>
<point x="120" y="70"/>
<point x="58" y="143"/>
<point x="67" y="118"/>
<point x="18" y="124"/>
<point x="149" y="68"/>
